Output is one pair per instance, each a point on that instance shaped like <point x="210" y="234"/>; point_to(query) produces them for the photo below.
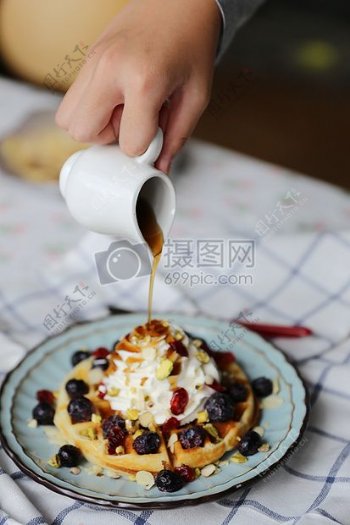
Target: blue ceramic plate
<point x="46" y="365"/>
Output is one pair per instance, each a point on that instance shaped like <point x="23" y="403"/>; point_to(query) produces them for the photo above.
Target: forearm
<point x="234" y="13"/>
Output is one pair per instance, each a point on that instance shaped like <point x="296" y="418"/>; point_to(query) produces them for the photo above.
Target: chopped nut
<point x="223" y="463"/>
<point x="145" y="479"/>
<point x="209" y="380"/>
<point x="75" y="471"/>
<point x="265" y="447"/>
<point x="32" y="423"/>
<point x="152" y="427"/>
<point x="208" y="470"/>
<point x="164" y="369"/>
<point x="132" y="414"/>
<point x="95" y="376"/>
<point x="260" y="430"/>
<point x="238" y="458"/>
<point x="275" y="386"/>
<point x="54" y="462"/>
<point x="212" y="431"/>
<point x="272" y="401"/>
<point x="96" y="470"/>
<point x="202" y="356"/>
<point x="146" y="419"/>
<point x="202" y="417"/>
<point x="149" y="353"/>
<point x="197" y="471"/>
<point x="137" y="434"/>
<point x="120" y="450"/>
<point x="171" y="442"/>
<point x="132" y="477"/>
<point x="96" y="418"/>
<point x="197" y="343"/>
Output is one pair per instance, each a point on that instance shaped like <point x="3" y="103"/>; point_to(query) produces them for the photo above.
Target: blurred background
<point x="281" y="93"/>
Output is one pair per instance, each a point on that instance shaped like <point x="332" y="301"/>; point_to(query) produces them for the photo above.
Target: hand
<point x="153" y="65"/>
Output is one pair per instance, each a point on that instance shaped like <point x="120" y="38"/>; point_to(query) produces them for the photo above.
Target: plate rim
<point x="112" y="504"/>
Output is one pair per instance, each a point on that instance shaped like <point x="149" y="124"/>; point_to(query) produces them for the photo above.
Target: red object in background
<point x="270" y="330"/>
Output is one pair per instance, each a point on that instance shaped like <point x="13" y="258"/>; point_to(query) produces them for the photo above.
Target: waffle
<point x="220" y="437"/>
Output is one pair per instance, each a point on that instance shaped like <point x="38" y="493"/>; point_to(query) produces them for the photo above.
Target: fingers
<point x="139" y="122"/>
<point x="186" y="107"/>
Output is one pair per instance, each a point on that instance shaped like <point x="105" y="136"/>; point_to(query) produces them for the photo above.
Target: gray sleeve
<point x="234" y="14"/>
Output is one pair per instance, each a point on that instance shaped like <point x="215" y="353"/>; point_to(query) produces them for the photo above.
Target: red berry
<point x="100" y="352"/>
<point x="187" y="473"/>
<point x="223" y="359"/>
<point x="216" y="386"/>
<point x="170" y="424"/>
<point x="179" y="401"/>
<point x="179" y="347"/>
<point x="101" y="395"/>
<point x="45" y="396"/>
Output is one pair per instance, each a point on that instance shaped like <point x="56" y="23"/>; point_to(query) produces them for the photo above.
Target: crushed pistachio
<point x="202" y="356"/>
<point x="164" y="369"/>
<point x="54" y="462"/>
<point x="89" y="433"/>
<point x="208" y="470"/>
<point x="178" y="336"/>
<point x="132" y="414"/>
<point x="197" y="472"/>
<point x="113" y="391"/>
<point x="202" y="417"/>
<point x="238" y="458"/>
<point x="145" y="479"/>
<point x="212" y="431"/>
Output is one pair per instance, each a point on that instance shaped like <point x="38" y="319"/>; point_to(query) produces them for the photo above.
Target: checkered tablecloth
<point x="298" y="273"/>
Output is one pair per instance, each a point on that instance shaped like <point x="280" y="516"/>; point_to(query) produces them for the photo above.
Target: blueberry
<point x="219" y="407"/>
<point x="69" y="456"/>
<point x="169" y="481"/>
<point x="237" y="392"/>
<point x="147" y="443"/>
<point x="79" y="356"/>
<point x="80" y="409"/>
<point x="262" y="386"/>
<point x="250" y="443"/>
<point x="192" y="437"/>
<point x="100" y="362"/>
<point x="112" y="423"/>
<point x="76" y="388"/>
<point x="44" y="413"/>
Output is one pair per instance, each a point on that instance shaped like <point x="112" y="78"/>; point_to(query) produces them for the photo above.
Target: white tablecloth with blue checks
<point x="301" y="275"/>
